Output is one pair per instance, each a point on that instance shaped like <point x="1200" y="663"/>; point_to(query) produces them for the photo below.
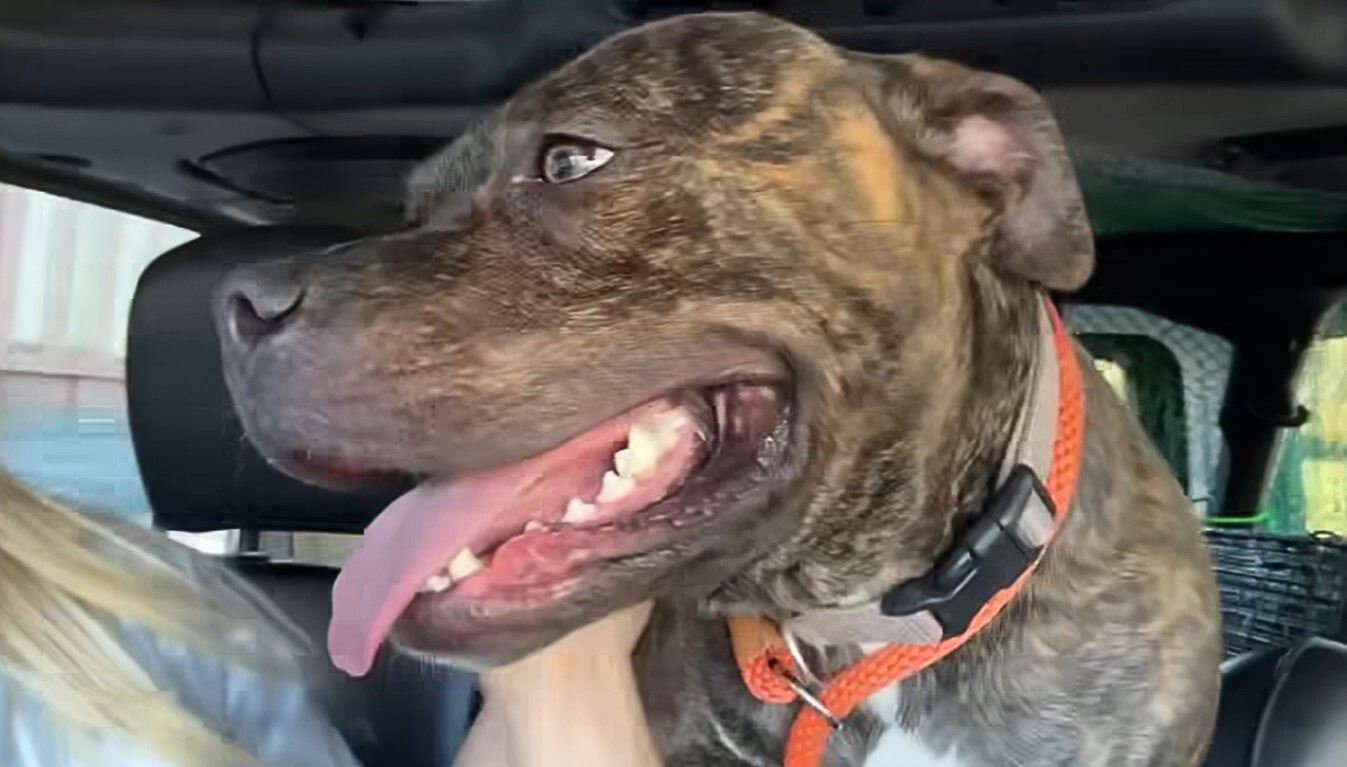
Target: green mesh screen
<point x="1156" y="388"/>
<point x="1177" y="377"/>
<point x="1127" y="195"/>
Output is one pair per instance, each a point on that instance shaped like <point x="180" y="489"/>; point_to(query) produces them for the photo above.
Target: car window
<point x="1307" y="492"/>
<point x="1173" y="377"/>
<point x="67" y="274"/>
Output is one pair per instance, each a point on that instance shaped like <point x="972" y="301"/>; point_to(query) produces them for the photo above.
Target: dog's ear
<point x="998" y="134"/>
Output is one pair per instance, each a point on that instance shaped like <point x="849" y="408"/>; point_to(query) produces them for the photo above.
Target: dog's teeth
<point x="646" y="444"/>
<point x="669" y="423"/>
<point x="464" y="564"/>
<point x="641" y="439"/>
<point x="614" y="487"/>
<point x="577" y="511"/>
<point x="622" y="462"/>
<point x="533" y="526"/>
<point x="436" y="583"/>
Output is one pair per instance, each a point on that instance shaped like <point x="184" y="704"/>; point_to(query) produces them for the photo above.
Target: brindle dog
<point x="832" y="261"/>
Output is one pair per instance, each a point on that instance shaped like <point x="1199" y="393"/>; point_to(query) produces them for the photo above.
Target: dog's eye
<point x="567" y="160"/>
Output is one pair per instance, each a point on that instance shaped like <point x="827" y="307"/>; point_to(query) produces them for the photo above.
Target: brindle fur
<point x="770" y="188"/>
<point x="1108" y="657"/>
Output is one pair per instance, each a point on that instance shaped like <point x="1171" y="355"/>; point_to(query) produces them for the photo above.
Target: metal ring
<point x="805" y="695"/>
<point x="789" y="639"/>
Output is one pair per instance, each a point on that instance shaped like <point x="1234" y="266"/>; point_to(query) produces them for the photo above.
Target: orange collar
<point x="922" y="621"/>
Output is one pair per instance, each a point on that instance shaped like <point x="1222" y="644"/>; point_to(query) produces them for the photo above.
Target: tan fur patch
<point x="794" y="90"/>
<point x="869" y="153"/>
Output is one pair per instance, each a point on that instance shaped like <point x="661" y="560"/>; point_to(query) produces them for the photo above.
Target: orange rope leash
<point x="758" y="645"/>
<point x="757" y="648"/>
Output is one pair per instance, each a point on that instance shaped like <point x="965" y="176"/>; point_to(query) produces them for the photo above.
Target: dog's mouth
<point x="512" y="540"/>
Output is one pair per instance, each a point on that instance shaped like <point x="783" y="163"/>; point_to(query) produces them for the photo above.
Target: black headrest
<point x="200" y="471"/>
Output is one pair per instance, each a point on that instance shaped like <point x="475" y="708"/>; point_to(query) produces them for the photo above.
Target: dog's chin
<point x="662" y="498"/>
<point x="487" y="632"/>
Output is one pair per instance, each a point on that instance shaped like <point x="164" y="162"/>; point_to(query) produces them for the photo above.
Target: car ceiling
<point x="224" y="112"/>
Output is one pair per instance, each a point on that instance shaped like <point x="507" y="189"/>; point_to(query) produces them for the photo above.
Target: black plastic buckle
<point x="987" y="558"/>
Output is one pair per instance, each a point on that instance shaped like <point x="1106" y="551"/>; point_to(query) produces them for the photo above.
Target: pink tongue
<point x="410" y="541"/>
<point x="416" y="536"/>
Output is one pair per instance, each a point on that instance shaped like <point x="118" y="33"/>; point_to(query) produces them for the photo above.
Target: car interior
<point x="1211" y="140"/>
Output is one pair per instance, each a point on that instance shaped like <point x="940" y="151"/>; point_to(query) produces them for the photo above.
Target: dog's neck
<point x="1003" y="341"/>
<point x="959" y="455"/>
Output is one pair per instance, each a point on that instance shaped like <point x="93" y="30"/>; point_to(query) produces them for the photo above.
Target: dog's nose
<point x="258" y="304"/>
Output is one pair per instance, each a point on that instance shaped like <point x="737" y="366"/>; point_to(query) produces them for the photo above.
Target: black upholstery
<point x="1284" y="708"/>
<point x="201" y="474"/>
<point x="1246" y="681"/>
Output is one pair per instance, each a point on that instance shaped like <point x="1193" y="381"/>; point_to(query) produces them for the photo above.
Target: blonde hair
<point x="67" y="579"/>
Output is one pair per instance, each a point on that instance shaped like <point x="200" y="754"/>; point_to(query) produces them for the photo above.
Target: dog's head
<point x="689" y="314"/>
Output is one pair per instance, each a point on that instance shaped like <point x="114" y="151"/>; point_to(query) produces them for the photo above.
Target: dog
<point x="721" y="314"/>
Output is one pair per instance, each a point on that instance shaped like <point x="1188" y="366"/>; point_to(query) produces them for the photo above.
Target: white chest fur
<point x="898" y="747"/>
